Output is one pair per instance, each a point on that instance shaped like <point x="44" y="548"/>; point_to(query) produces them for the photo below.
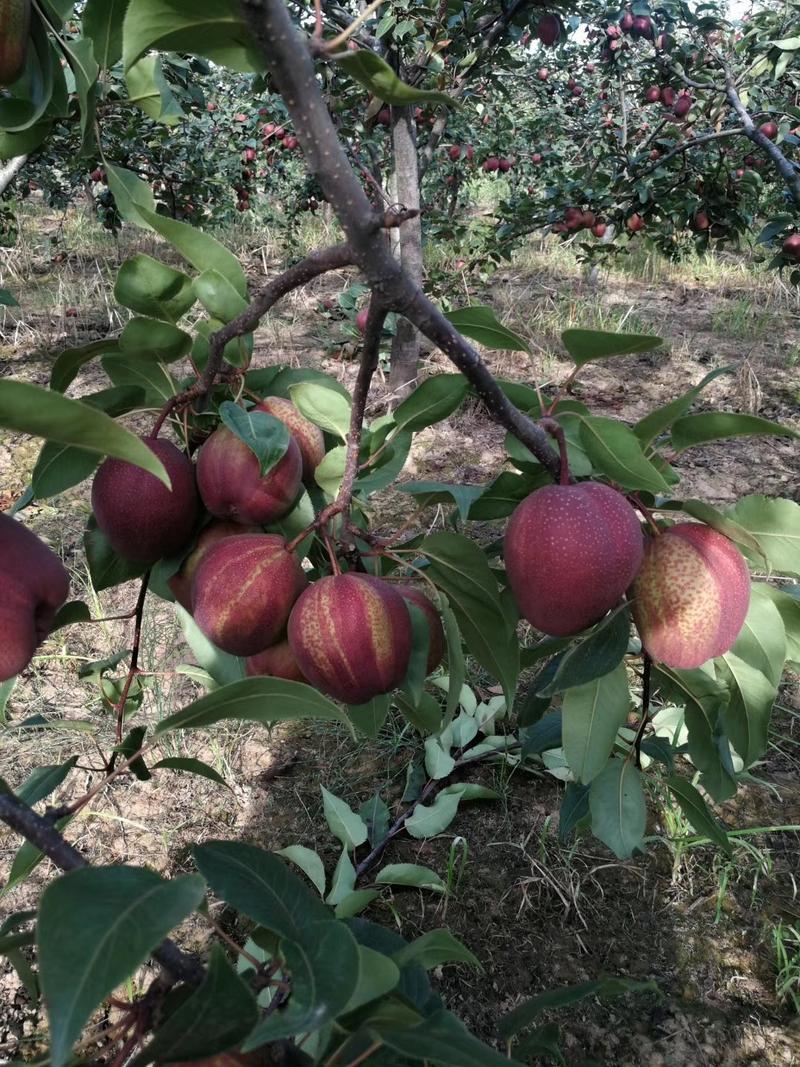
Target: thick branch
<point x="687" y="146"/>
<point x="782" y="164"/>
<point x="41" y="833"/>
<point x="289" y="62"/>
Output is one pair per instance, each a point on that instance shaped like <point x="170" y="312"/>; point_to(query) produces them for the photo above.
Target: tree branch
<point x="790" y="176"/>
<point x="687" y="146"/>
<point x="289" y="62"/>
<point x="301" y="273"/>
<point x="41" y="833"/>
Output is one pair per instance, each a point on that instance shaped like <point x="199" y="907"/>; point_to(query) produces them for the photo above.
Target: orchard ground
<point x="537" y="914"/>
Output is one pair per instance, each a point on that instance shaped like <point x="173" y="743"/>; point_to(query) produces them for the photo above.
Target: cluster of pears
<point x="350" y="635"/>
<point x="572" y="551"/>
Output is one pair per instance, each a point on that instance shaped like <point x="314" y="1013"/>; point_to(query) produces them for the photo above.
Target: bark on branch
<point x="40" y="832"/>
<point x="289" y="62"/>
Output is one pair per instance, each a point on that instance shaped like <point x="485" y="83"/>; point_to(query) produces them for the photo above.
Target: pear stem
<point x="556" y="430"/>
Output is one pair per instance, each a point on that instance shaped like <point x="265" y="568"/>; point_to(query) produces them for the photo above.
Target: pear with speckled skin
<point x="691" y="595"/>
<point x="243" y="590"/>
<point x="571" y="551"/>
<point x="351" y="637"/>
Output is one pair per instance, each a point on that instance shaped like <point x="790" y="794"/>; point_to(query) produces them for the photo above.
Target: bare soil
<point x="536" y="914"/>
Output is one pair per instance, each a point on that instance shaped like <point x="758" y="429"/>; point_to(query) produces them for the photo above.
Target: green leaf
<point x="154" y="289"/>
<point x="325" y="407"/>
<point x="787" y="603"/>
<point x="102" y="23"/>
<point x="217" y="1015"/>
<point x="210" y="28"/>
<point x="593" y="656"/>
<point x="130" y="745"/>
<point x="430" y="820"/>
<point x="59" y="467"/>
<point x="27" y="858"/>
<point x="592" y="716"/>
<point x="324" y="966"/>
<point x="410" y="874"/>
<point x="149" y="90"/>
<point x="574" y="809"/>
<point x="44" y="413"/>
<point x="775" y="523"/>
<point x="660" y="420"/>
<point x="343" y="881"/>
<point x="43" y="781"/>
<point x="375" y="74"/>
<point x="265" y="436"/>
<point x="460" y="569"/>
<point x="343" y="822"/>
<point x="146" y="338"/>
<point x="693" y="430"/>
<point x="264" y="700"/>
<point x="33" y="91"/>
<point x="221" y="666"/>
<point x="69" y="362"/>
<point x="259" y="885"/>
<point x="7" y="299"/>
<point x="438" y="763"/>
<point x="369" y="718"/>
<point x="427" y="493"/>
<point x="95" y="927"/>
<point x="704" y="697"/>
<point x="564" y="996"/>
<point x="309" y="863"/>
<point x="6" y="689"/>
<point x="543" y="736"/>
<point x="190" y="766"/>
<point x="443" y="1039"/>
<point x="501" y="498"/>
<point x="354" y="903"/>
<point x="615" y="450"/>
<point x="106" y="568"/>
<point x="135" y="203"/>
<point x="218" y="296"/>
<point x="480" y="324"/>
<point x="148" y="375"/>
<point x="376" y="817"/>
<point x="432" y="401"/>
<point x="696" y="811"/>
<point x="433" y="949"/>
<point x="616" y="802"/>
<point x="378" y="975"/>
<point x="587" y="345"/>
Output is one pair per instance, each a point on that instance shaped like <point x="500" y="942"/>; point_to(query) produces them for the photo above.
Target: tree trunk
<point x="405" y="347"/>
<point x="10" y="170"/>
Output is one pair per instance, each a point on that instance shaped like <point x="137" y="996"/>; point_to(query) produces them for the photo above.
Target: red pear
<point x="310" y="439"/>
<point x="571" y="551"/>
<point x="691" y="596"/>
<point x="351" y="638"/>
<point x="34" y="585"/>
<point x="142" y="519"/>
<point x="277" y="661"/>
<point x="232" y="486"/>
<point x="243" y="591"/>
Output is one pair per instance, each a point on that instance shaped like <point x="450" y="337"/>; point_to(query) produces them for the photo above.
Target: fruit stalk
<point x="556" y="430"/>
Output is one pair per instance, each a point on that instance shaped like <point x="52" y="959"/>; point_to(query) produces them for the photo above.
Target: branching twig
<point x="289" y="62"/>
<point x="369" y="364"/>
<point x="782" y="164"/>
<point x="133" y="670"/>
